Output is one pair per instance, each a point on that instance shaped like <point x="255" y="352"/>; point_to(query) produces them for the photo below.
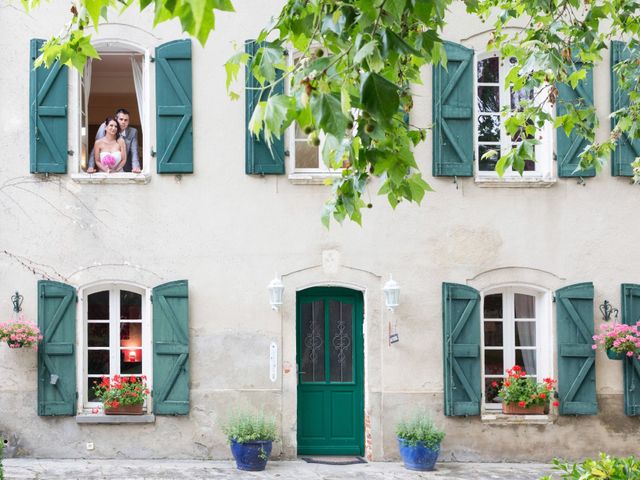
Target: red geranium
<point x="121" y="391"/>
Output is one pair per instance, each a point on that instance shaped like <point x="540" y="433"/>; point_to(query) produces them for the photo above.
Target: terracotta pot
<point x="125" y="410"/>
<point x="514" y="409"/>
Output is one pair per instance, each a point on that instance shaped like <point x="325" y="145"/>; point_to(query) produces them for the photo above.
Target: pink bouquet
<point x="109" y="161"/>
<point x="619" y="338"/>
<point x="20" y="333"/>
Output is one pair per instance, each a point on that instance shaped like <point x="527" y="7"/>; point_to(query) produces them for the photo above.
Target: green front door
<point x="330" y="372"/>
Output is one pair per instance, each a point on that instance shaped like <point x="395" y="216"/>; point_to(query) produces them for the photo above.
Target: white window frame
<point x="544" y="173"/>
<point x="114" y="316"/>
<point x="544" y="333"/>
<point x="78" y="132"/>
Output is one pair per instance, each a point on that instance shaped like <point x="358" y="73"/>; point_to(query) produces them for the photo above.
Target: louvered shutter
<point x="259" y="159"/>
<point x="174" y="113"/>
<point x="569" y="148"/>
<point x="47" y="115"/>
<point x="56" y="354"/>
<point x="171" y="348"/>
<point x="627" y="149"/>
<point x="576" y="358"/>
<point x="630" y="316"/>
<point x="453" y="113"/>
<point x="461" y="326"/>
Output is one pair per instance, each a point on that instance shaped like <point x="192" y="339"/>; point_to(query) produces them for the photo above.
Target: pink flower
<point x="594" y="347"/>
<point x="629" y="354"/>
<point x="109" y="161"/>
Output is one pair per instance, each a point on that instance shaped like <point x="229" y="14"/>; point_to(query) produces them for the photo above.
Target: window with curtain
<point x="515" y="331"/>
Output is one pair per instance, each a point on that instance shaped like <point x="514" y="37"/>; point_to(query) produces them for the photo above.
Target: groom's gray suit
<point x="130" y="137"/>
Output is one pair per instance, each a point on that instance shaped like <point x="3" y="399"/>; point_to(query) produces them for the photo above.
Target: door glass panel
<point x="493" y="334"/>
<point x="493" y="306"/>
<point x="525" y="334"/>
<point x="130" y="334"/>
<point x="130" y="305"/>
<point x="130" y="361"/>
<point x="98" y="362"/>
<point x="98" y="334"/>
<point x="489" y="128"/>
<point x="493" y="362"/>
<point x="491" y="391"/>
<point x="489" y="70"/>
<point x="92" y="382"/>
<point x="98" y="306"/>
<point x="527" y="360"/>
<point x="488" y="99"/>
<point x="524" y="306"/>
<point x="341" y="335"/>
<point x="312" y="342"/>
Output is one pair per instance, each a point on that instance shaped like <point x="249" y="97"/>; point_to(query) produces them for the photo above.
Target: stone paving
<point x="123" y="469"/>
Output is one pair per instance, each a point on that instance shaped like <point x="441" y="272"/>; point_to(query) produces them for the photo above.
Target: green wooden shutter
<point x="174" y="114"/>
<point x="576" y="358"/>
<point x="627" y="149"/>
<point x="453" y="113"/>
<point x="461" y="325"/>
<point x="171" y="348"/>
<point x="259" y="159"/>
<point x="569" y="148"/>
<point x="631" y="315"/>
<point x="47" y="115"/>
<point x="56" y="355"/>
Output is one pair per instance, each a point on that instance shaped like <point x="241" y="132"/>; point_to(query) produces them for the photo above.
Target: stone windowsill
<point x="94" y="418"/>
<point x="117" y="178"/>
<point x="312" y="178"/>
<point x="515" y="182"/>
<point x="499" y="418"/>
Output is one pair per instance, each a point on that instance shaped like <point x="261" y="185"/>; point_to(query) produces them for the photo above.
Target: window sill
<point x="94" y="418"/>
<point x="499" y="418"/>
<point x="312" y="178"/>
<point x="516" y="182"/>
<point x="119" y="178"/>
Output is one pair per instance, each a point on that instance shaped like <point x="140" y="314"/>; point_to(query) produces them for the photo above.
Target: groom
<point x="130" y="137"/>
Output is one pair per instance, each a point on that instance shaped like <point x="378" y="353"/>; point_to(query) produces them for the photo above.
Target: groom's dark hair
<point x="122" y="110"/>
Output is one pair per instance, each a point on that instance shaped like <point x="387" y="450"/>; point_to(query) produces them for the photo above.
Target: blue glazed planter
<point x="418" y="457"/>
<point x="251" y="456"/>
<point x="613" y="355"/>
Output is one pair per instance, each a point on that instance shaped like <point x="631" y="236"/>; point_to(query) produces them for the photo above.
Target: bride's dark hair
<point x="112" y="119"/>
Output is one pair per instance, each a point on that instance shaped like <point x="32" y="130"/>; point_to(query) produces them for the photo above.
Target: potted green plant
<point x="419" y="441"/>
<point x="521" y="395"/>
<point x="251" y="436"/>
<point x="122" y="395"/>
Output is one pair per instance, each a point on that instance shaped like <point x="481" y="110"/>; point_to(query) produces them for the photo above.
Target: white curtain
<point x="138" y="80"/>
<point x="86" y="87"/>
<point x="526" y="331"/>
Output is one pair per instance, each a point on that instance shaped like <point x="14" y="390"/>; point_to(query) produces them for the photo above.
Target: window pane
<point x="92" y="382"/>
<point x="530" y="165"/>
<point x="98" y="334"/>
<point x="130" y="361"/>
<point x="307" y="155"/>
<point x="493" y="305"/>
<point x="525" y="334"/>
<point x="489" y="128"/>
<point x="488" y="164"/>
<point x="489" y="99"/>
<point x="130" y="305"/>
<point x="524" y="306"/>
<point x="489" y="70"/>
<point x="527" y="360"/>
<point x="520" y="95"/>
<point x="312" y="357"/>
<point x="493" y="362"/>
<point x="491" y="392"/>
<point x="98" y="362"/>
<point x="130" y="334"/>
<point x="98" y="306"/>
<point x="493" y="334"/>
<point x="341" y="335"/>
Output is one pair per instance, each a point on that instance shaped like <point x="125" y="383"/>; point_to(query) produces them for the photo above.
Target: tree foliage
<point x="353" y="63"/>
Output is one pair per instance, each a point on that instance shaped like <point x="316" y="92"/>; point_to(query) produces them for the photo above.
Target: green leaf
<point x="379" y="96"/>
<point x="366" y="50"/>
<point x="328" y="115"/>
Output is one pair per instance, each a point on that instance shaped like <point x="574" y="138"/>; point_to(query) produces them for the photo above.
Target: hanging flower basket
<point x="20" y="333"/>
<point x="618" y="340"/>
<point x="613" y="355"/>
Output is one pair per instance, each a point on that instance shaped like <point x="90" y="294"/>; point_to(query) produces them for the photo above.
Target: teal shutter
<point x="47" y="115"/>
<point x="171" y="348"/>
<point x="174" y="114"/>
<point x="259" y="159"/>
<point x="461" y="325"/>
<point x="569" y="148"/>
<point x="56" y="355"/>
<point x="576" y="358"/>
<point x="453" y="114"/>
<point x="631" y="315"/>
<point x="627" y="149"/>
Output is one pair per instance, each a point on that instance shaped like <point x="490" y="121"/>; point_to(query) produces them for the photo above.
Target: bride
<point x="110" y="151"/>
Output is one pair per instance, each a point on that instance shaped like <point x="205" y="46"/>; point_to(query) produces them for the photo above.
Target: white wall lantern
<point x="391" y="291"/>
<point x="276" y="289"/>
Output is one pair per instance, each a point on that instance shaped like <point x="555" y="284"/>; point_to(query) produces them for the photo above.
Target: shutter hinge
<point x="151" y="298"/>
<point x="152" y="59"/>
<point x="76" y="395"/>
<point x="455" y="181"/>
<point x="70" y="153"/>
<point x="76" y="299"/>
<point x="582" y="182"/>
<point x="553" y="298"/>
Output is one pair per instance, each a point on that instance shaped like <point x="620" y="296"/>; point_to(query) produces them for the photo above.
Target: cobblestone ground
<point x="24" y="468"/>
